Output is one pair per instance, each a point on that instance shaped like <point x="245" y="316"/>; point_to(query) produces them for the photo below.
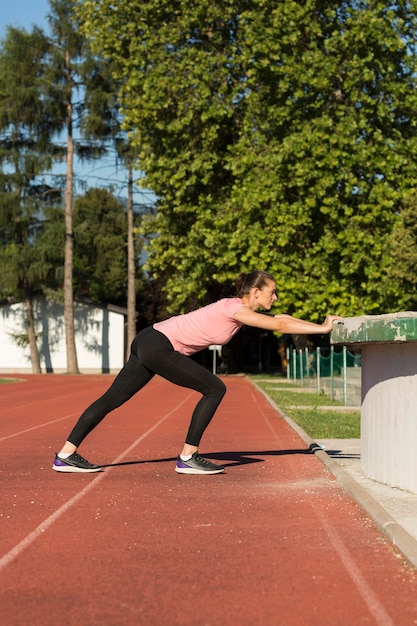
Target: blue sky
<point x="28" y="13"/>
<point x="24" y="13"/>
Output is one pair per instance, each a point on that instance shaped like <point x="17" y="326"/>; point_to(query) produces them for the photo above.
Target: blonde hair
<point x="245" y="282"/>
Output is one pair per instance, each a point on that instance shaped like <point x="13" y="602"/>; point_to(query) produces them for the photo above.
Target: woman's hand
<point x="328" y="322"/>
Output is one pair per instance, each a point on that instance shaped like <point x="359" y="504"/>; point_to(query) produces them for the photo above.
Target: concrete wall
<point x="100" y="338"/>
<point x="389" y="419"/>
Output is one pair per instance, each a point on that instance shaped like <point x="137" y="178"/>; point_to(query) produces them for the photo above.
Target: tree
<point x="55" y="89"/>
<point x="275" y="135"/>
<point x="81" y="87"/>
<point x="107" y="251"/>
<point x="26" y="258"/>
<point x="131" y="265"/>
<point x="100" y="260"/>
<point x="400" y="284"/>
<point x="128" y="156"/>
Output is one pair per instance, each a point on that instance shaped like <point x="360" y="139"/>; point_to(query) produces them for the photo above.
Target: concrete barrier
<point x="388" y="344"/>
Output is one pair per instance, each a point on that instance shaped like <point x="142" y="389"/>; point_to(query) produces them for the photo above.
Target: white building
<point x="100" y="337"/>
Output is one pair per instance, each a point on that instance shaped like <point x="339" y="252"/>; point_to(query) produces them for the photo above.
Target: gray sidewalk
<point x="393" y="510"/>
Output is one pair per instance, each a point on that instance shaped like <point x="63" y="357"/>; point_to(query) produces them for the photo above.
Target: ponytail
<point x="245" y="282"/>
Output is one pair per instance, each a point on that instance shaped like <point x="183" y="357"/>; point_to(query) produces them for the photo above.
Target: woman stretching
<point x="165" y="348"/>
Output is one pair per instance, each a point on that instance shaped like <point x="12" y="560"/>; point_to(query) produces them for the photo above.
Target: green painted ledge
<point x="387" y="328"/>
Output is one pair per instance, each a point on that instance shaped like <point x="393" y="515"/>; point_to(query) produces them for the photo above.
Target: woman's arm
<point x="283" y="323"/>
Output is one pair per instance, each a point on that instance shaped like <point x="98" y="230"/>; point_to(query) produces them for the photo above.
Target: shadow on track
<point x="243" y="457"/>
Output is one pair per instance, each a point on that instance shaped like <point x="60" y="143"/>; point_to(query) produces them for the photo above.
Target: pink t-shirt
<point x="212" y="324"/>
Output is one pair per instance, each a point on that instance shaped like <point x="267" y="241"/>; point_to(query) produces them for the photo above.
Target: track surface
<point x="274" y="540"/>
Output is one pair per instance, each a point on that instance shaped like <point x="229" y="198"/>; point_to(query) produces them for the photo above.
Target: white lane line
<point x="370" y="598"/>
<point x="27" y="430"/>
<point x="39" y="401"/>
<point x="33" y="536"/>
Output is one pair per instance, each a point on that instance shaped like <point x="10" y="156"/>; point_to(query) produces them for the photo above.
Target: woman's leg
<point x="152" y="353"/>
<point x="183" y="371"/>
<point x="131" y="378"/>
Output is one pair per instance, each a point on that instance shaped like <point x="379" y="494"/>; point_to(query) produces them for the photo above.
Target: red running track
<point x="274" y="540"/>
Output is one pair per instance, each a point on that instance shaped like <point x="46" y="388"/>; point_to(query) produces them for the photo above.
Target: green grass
<point x="5" y="381"/>
<point x="302" y="407"/>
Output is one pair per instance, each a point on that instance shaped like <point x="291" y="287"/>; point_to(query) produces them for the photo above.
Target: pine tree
<point x="27" y="265"/>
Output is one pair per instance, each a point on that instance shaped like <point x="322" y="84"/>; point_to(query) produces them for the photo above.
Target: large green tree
<point x="275" y="135"/>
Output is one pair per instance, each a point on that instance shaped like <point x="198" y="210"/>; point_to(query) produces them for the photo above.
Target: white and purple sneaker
<point x="197" y="465"/>
<point x="74" y="463"/>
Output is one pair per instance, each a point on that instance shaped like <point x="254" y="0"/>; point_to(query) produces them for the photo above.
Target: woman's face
<point x="267" y="295"/>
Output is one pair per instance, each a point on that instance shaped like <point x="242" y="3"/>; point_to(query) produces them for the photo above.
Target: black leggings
<point x="152" y="353"/>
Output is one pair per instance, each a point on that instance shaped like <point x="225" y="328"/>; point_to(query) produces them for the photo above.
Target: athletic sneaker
<point x="74" y="463"/>
<point x="197" y="465"/>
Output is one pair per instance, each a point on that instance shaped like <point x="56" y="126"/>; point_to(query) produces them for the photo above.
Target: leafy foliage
<point x="100" y="261"/>
<point x="400" y="283"/>
<point x="276" y="135"/>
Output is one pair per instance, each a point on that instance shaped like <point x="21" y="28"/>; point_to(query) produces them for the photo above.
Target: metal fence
<point x="335" y="373"/>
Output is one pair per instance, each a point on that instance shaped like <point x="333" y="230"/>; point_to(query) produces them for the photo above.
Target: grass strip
<point x="309" y="410"/>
